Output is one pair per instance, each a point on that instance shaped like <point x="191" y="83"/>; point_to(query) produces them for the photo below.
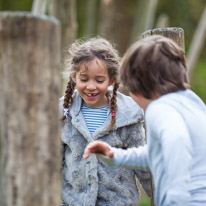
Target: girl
<point x="94" y="112"/>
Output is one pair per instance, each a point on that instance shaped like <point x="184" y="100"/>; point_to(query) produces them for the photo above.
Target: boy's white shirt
<point x="175" y="151"/>
<point x="133" y="158"/>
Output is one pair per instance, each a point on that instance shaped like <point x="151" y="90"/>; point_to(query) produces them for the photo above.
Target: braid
<point x="68" y="96"/>
<point x="114" y="105"/>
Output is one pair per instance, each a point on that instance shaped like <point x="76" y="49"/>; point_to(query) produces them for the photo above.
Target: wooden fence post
<point x="30" y="88"/>
<point x="174" y="33"/>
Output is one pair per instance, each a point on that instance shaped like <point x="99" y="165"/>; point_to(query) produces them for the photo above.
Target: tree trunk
<point x="91" y="16"/>
<point x="30" y="81"/>
<point x="197" y="43"/>
<point x="144" y="18"/>
<point x="162" y="21"/>
<point x="107" y="15"/>
<point x="139" y="21"/>
<point x="116" y="22"/>
<point x="39" y="6"/>
<point x="151" y="14"/>
<point x="65" y="11"/>
<point x="174" y="33"/>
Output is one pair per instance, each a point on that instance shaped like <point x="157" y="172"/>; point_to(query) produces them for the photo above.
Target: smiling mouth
<point x="91" y="95"/>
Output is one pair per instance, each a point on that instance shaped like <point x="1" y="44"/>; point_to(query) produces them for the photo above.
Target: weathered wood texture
<point x="174" y="33"/>
<point x="30" y="88"/>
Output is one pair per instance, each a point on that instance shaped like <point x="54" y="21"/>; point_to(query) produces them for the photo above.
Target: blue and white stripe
<point x="94" y="117"/>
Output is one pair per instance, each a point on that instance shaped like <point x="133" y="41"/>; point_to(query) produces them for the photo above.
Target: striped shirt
<point x="94" y="117"/>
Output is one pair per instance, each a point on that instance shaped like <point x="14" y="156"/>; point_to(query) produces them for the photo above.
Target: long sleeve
<point x="132" y="158"/>
<point x="170" y="154"/>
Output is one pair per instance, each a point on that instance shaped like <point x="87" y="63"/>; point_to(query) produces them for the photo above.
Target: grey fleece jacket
<point x="89" y="182"/>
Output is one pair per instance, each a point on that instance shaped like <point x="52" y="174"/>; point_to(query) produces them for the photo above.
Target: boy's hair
<point x="154" y="66"/>
<point x="81" y="53"/>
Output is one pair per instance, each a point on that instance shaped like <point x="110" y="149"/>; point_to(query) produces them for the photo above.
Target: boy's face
<point x="140" y="100"/>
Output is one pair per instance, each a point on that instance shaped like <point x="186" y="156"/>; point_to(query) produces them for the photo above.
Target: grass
<point x="144" y="199"/>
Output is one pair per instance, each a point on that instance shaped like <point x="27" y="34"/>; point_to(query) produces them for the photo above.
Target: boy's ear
<point x="111" y="81"/>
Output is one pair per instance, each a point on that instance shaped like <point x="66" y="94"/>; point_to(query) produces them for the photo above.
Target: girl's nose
<point x="91" y="85"/>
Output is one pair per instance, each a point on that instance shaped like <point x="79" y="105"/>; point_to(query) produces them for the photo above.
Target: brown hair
<point x="154" y="65"/>
<point x="81" y="53"/>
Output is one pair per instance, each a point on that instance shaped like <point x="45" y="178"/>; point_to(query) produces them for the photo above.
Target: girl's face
<point x="92" y="82"/>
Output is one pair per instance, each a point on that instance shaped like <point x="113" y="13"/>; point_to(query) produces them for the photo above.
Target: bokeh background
<point x="122" y="22"/>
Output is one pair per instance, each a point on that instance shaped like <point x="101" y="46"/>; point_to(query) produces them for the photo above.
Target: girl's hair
<point x="80" y="53"/>
<point x="154" y="66"/>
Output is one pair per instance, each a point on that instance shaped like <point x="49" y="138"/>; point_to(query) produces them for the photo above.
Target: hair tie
<point x="66" y="110"/>
<point x="113" y="113"/>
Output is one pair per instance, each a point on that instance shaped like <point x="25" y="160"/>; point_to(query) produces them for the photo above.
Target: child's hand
<point x="98" y="147"/>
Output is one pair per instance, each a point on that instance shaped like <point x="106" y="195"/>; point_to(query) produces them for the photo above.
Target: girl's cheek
<point x="80" y="84"/>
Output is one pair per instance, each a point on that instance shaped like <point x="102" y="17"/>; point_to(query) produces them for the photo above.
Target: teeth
<point x="91" y="95"/>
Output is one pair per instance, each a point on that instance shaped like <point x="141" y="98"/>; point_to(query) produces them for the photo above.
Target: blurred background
<point x="122" y="22"/>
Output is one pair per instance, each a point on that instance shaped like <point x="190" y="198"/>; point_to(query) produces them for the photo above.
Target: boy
<point x="155" y="72"/>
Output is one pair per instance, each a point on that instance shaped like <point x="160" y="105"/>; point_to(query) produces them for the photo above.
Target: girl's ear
<point x="74" y="78"/>
<point x="111" y="81"/>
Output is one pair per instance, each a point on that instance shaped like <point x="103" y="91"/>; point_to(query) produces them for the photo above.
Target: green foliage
<point x="198" y="81"/>
<point x="82" y="14"/>
<point x="81" y="17"/>
<point x="185" y="14"/>
<point x="16" y="5"/>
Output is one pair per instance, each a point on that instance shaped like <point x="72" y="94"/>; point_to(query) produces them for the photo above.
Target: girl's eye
<point x="83" y="80"/>
<point x="100" y="81"/>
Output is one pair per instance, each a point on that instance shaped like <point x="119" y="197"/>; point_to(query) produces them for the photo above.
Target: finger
<point x="86" y="153"/>
<point x="97" y="147"/>
<point x="85" y="156"/>
<point x="110" y="154"/>
<point x="88" y="150"/>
